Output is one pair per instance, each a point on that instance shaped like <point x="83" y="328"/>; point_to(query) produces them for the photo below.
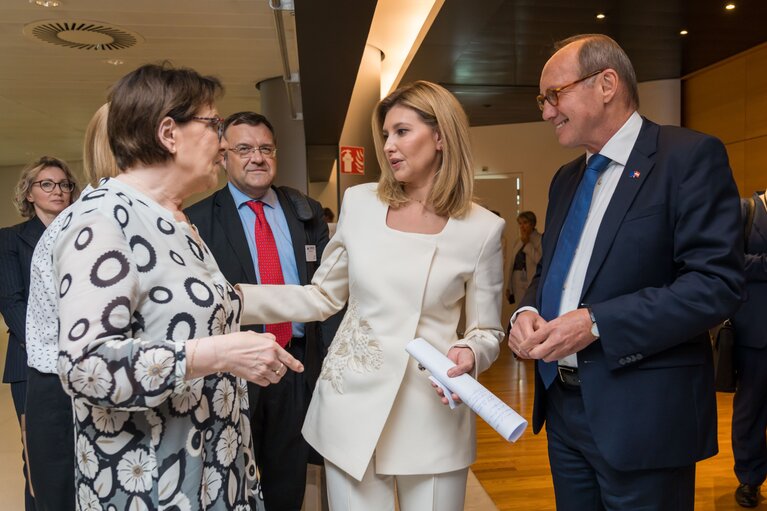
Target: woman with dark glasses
<point x="45" y="189"/>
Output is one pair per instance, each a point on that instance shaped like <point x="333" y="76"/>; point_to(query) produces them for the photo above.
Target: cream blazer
<point x="371" y="397"/>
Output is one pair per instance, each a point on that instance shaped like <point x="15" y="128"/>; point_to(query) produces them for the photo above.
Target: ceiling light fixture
<point x="46" y="3"/>
<point x="683" y="32"/>
<point x="601" y="16"/>
<point x="730" y="6"/>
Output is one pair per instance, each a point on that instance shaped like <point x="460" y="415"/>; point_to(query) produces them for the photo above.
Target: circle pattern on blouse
<point x="198" y="292"/>
<point x="165" y="227"/>
<point x="134" y="286"/>
<point x="110" y="268"/>
<point x="143" y="251"/>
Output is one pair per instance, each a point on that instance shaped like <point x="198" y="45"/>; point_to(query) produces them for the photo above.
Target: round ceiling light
<point x="46" y="3"/>
<point x="82" y="35"/>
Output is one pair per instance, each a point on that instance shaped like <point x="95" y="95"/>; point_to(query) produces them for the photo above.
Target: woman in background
<point x="50" y="429"/>
<point x="527" y="253"/>
<point x="408" y="254"/>
<point x="45" y="188"/>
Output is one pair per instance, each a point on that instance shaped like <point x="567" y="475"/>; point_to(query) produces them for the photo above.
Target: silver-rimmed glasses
<point x="245" y="150"/>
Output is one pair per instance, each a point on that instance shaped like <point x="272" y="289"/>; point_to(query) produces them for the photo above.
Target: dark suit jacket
<point x="219" y="224"/>
<point x="667" y="265"/>
<point x="750" y="328"/>
<point x="17" y="243"/>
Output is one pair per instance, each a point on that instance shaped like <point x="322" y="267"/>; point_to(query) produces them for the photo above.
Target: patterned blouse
<point x="134" y="284"/>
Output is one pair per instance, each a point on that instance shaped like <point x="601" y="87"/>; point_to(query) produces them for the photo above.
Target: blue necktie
<point x="569" y="237"/>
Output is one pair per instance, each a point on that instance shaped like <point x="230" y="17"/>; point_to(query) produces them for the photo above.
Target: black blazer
<point x="17" y="244"/>
<point x="667" y="265"/>
<point x="219" y="225"/>
<point x="750" y="329"/>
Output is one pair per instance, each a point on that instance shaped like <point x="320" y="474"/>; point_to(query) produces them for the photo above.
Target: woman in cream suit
<point x="407" y="255"/>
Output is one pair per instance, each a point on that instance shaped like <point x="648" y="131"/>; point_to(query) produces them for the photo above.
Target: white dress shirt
<point x="618" y="149"/>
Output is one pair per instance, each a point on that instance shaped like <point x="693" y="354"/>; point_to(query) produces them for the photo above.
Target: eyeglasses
<point x="217" y="123"/>
<point x="48" y="186"/>
<point x="552" y="95"/>
<point x="244" y="150"/>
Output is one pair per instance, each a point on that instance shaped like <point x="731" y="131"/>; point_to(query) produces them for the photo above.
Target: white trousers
<point x="376" y="492"/>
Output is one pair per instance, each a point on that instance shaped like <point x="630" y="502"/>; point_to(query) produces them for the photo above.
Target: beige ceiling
<point x="49" y="93"/>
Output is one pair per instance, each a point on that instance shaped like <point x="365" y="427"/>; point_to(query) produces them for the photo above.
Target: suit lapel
<point x="635" y="173"/>
<point x="31" y="231"/>
<point x="297" y="234"/>
<point x="229" y="219"/>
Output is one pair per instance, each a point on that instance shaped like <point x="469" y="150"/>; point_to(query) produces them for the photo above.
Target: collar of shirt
<point x="619" y="147"/>
<point x="269" y="199"/>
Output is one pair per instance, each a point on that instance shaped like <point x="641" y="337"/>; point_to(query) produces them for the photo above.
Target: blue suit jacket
<point x="749" y="320"/>
<point x="17" y="244"/>
<point x="667" y="265"/>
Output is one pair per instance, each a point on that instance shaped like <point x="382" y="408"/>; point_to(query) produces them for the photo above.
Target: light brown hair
<point x="453" y="187"/>
<point x="29" y="175"/>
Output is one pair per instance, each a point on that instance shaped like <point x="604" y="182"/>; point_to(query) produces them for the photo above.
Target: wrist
<point x="594" y="328"/>
<point x="204" y="356"/>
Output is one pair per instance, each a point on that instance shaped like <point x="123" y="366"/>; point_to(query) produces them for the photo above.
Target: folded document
<point x="500" y="416"/>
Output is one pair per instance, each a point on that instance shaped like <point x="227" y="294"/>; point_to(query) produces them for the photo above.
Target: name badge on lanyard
<point x="311" y="253"/>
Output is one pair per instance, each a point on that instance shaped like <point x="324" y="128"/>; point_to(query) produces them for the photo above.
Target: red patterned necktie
<point x="269" y="267"/>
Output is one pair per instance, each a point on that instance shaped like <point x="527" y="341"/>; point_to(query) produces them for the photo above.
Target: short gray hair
<point x="599" y="51"/>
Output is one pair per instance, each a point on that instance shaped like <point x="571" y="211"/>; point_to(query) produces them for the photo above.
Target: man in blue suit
<point x="642" y="253"/>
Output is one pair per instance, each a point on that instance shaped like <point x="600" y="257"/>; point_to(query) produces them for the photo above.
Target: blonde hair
<point x="98" y="160"/>
<point x="453" y="187"/>
<point x="28" y="176"/>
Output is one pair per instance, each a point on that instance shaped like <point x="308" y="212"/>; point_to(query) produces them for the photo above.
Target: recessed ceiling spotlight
<point x="601" y="16"/>
<point x="114" y="62"/>
<point x="46" y="3"/>
<point x="730" y="6"/>
<point x="683" y="32"/>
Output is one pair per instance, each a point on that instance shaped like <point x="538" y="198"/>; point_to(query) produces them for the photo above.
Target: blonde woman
<point x="45" y="188"/>
<point x="49" y="409"/>
<point x="408" y="255"/>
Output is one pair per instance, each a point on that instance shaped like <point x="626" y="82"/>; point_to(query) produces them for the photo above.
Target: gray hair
<point x="599" y="51"/>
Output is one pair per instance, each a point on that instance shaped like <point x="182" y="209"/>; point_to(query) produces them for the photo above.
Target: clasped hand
<point x="533" y="337"/>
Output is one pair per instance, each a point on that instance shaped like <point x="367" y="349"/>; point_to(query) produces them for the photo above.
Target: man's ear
<point x="609" y="83"/>
<point x="166" y="134"/>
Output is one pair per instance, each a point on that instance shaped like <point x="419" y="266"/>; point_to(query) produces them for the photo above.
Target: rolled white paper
<point x="500" y="416"/>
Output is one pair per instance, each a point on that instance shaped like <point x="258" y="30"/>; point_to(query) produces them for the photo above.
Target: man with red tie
<point x="264" y="234"/>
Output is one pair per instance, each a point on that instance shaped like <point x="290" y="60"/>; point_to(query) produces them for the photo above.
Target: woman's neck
<point x="45" y="218"/>
<point x="154" y="183"/>
<point x="418" y="193"/>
